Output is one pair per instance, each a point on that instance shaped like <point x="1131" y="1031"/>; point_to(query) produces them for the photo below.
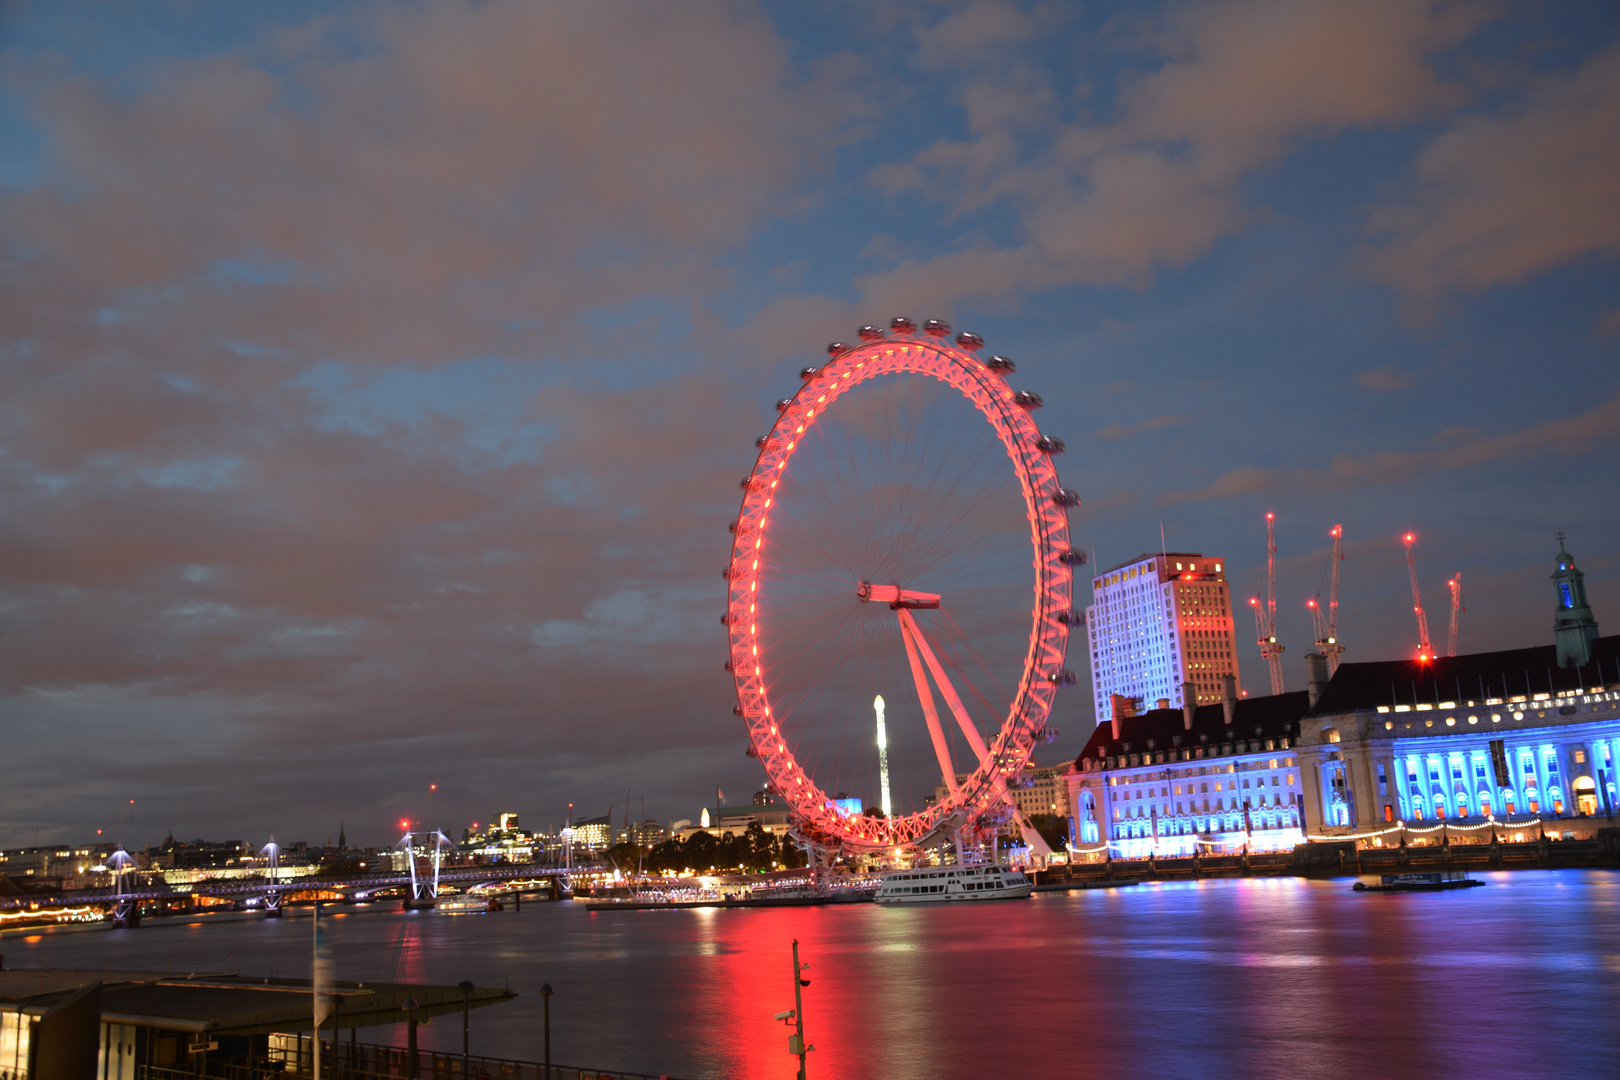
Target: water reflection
<point x="1236" y="978"/>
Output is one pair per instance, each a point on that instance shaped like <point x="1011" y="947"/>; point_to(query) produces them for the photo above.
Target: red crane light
<point x="1425" y="650"/>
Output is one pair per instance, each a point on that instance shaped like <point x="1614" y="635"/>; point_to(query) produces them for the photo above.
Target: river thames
<point x="1245" y="978"/>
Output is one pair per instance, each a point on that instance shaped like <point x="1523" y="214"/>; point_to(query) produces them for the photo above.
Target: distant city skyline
<point x="377" y="377"/>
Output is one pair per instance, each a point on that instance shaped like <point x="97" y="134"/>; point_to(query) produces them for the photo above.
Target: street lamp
<point x="466" y="989"/>
<point x="545" y="998"/>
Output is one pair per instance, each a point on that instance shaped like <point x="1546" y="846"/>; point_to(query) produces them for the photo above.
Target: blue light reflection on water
<point x="1229" y="978"/>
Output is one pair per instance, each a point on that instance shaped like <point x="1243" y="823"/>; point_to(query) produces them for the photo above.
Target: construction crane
<point x="1425" y="650"/>
<point x="1265" y="619"/>
<point x="1327" y="625"/>
<point x="1455" y="585"/>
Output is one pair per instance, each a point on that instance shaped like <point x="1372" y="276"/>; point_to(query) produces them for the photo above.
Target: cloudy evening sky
<point x="375" y="378"/>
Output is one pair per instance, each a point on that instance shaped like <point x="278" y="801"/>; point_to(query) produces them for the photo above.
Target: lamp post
<point x="410" y="1008"/>
<point x="545" y="998"/>
<point x="466" y="989"/>
<point x="796" y="1040"/>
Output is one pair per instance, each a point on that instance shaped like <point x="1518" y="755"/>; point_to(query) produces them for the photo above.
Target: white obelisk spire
<point x="883" y="755"/>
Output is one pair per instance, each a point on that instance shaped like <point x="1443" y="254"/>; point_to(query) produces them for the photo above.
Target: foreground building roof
<point x="1159" y="731"/>
<point x="229" y="1003"/>
<point x="1505" y="674"/>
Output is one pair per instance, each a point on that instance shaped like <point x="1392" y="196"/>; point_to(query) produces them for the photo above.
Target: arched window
<point x="1556" y="797"/>
<point x="1462" y="804"/>
<point x="1532" y="800"/>
<point x="1417" y="808"/>
<point x="1484" y="803"/>
<point x="1510" y="802"/>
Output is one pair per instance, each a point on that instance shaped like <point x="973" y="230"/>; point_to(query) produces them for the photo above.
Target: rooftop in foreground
<point x="229" y="1004"/>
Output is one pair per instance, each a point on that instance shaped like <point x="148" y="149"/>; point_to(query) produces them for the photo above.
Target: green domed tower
<point x="1574" y="628"/>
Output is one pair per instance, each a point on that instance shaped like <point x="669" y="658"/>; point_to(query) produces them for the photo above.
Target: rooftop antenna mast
<point x="1265" y="619"/>
<point x="1455" y="584"/>
<point x="1425" y="650"/>
<point x="1327" y="626"/>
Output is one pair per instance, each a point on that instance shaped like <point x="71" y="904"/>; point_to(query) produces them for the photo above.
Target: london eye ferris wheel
<point x="902" y="535"/>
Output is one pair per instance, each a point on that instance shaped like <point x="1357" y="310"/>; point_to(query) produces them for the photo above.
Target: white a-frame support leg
<point x="941" y="750"/>
<point x="916" y="642"/>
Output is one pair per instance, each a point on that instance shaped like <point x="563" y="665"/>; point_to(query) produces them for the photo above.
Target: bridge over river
<point x="125" y="897"/>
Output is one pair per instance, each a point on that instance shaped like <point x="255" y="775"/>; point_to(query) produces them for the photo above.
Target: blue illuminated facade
<point x="1518" y="735"/>
<point x="1174" y="782"/>
<point x="1553" y="757"/>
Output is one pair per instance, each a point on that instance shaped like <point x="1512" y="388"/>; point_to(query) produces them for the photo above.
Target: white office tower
<point x="1155" y="623"/>
<point x="883" y="755"/>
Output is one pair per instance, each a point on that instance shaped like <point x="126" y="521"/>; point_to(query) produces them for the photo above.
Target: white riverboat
<point x="947" y="884"/>
<point x="466" y="904"/>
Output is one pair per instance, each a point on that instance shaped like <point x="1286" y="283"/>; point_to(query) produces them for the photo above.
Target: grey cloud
<point x="1142" y="427"/>
<point x="1583" y="432"/>
<point x="1384" y="380"/>
<point x="1158" y="182"/>
<point x="263" y="567"/>
<point x="1500" y="196"/>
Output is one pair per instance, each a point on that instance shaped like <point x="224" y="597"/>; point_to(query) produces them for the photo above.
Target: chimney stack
<point x="1189" y="705"/>
<point x="1316" y="676"/>
<point x="1121" y="708"/>
<point x="1229" y="697"/>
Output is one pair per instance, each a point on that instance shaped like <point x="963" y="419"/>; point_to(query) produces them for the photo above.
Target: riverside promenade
<point x="1437" y="850"/>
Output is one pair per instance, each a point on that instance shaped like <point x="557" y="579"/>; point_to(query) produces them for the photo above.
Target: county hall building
<point x="1513" y="736"/>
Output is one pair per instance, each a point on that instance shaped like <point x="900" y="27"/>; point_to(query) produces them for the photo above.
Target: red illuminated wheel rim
<point x="905" y="468"/>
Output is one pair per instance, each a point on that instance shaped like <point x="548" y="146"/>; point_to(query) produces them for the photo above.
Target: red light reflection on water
<point x="751" y="980"/>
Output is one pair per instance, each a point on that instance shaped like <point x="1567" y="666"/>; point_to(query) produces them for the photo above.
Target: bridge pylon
<point x="424" y="888"/>
<point x="126" y="908"/>
<point x="271" y="853"/>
